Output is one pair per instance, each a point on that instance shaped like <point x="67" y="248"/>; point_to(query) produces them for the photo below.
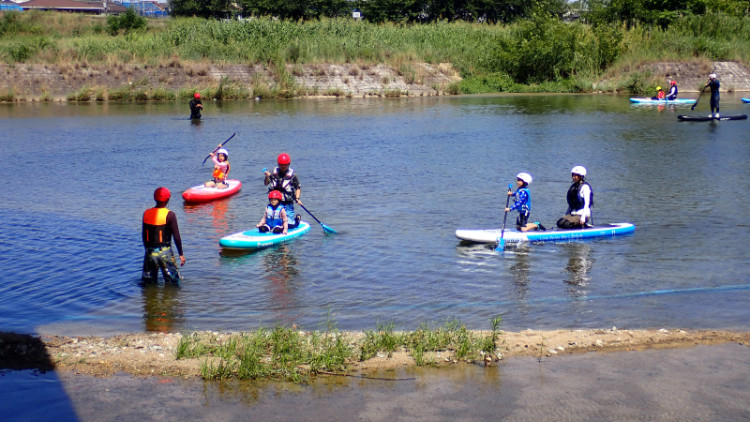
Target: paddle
<point x="500" y="241"/>
<point x="217" y="148"/>
<point x="699" y="96"/>
<point x="325" y="228"/>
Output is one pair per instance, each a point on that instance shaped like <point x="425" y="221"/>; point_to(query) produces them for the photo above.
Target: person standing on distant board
<point x="196" y="106"/>
<point x="158" y="230"/>
<point x="713" y="84"/>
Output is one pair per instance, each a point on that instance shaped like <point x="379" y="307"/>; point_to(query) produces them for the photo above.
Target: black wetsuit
<point x="195" y="111"/>
<point x="714" y="86"/>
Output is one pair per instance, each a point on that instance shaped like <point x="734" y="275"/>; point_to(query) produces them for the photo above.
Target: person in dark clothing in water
<point x="714" y="85"/>
<point x="158" y="230"/>
<point x="196" y="106"/>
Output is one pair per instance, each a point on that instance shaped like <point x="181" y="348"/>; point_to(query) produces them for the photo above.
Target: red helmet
<point x="197" y="95"/>
<point x="284" y="158"/>
<point x="274" y="194"/>
<point x="673" y="82"/>
<point x="162" y="194"/>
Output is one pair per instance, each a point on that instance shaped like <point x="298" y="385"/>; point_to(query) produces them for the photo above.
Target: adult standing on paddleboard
<point x="284" y="180"/>
<point x="580" y="200"/>
<point x="714" y="85"/>
<point x="196" y="106"/>
<point x="159" y="227"/>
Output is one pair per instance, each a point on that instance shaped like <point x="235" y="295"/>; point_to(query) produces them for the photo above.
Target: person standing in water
<point x="158" y="229"/>
<point x="196" y="106"/>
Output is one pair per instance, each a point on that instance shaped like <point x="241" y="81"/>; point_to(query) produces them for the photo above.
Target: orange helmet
<point x="162" y="194"/>
<point x="284" y="158"/>
<point x="274" y="194"/>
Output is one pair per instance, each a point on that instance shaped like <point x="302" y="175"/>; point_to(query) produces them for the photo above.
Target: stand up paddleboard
<point x="253" y="239"/>
<point x="491" y="236"/>
<point x="746" y="100"/>
<point x="652" y="101"/>
<point x="708" y="119"/>
<point x="201" y="193"/>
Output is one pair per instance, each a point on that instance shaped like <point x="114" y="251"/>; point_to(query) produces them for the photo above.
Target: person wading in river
<point x="159" y="227"/>
<point x="196" y="106"/>
<point x="580" y="200"/>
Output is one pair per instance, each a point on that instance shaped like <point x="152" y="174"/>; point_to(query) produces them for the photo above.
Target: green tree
<point x="128" y="21"/>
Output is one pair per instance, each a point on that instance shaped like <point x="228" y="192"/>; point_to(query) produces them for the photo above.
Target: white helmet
<point x="222" y="151"/>
<point x="712" y="76"/>
<point x="579" y="170"/>
<point x="526" y="177"/>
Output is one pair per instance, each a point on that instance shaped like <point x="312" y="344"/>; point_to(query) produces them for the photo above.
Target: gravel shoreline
<point x="147" y="354"/>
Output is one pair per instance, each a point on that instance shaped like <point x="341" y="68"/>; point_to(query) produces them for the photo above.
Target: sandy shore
<point x="145" y="354"/>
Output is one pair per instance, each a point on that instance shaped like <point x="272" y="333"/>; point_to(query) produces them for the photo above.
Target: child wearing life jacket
<point x="221" y="169"/>
<point x="660" y="95"/>
<point x="522" y="203"/>
<point x="274" y="218"/>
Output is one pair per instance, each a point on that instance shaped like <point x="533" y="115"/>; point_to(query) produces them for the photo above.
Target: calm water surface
<point x="395" y="178"/>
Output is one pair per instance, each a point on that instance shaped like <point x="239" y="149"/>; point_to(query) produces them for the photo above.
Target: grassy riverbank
<point x="541" y="54"/>
<point x="289" y="353"/>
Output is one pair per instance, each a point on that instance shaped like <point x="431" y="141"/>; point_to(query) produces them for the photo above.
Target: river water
<point x="395" y="178"/>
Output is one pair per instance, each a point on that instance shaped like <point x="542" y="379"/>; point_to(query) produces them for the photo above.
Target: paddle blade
<point x="327" y="229"/>
<point x="500" y="245"/>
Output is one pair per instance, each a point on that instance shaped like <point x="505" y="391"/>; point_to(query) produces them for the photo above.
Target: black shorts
<point x="522" y="220"/>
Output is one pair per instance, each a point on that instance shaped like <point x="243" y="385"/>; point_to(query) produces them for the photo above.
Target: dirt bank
<point x="154" y="353"/>
<point x="178" y="80"/>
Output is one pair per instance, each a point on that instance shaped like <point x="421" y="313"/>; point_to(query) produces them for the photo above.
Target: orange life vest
<point x="220" y="175"/>
<point x="155" y="225"/>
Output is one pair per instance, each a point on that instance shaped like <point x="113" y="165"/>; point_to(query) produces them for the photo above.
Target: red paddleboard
<point x="201" y="193"/>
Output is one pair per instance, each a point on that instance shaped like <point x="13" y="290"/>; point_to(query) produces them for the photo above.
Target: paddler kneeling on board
<point x="159" y="227"/>
<point x="522" y="198"/>
<point x="580" y="200"/>
<point x="274" y="218"/>
<point x="221" y="169"/>
<point x="672" y="90"/>
<point x="659" y="94"/>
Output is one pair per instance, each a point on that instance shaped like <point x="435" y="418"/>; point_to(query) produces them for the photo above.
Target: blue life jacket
<point x="273" y="215"/>
<point x="575" y="202"/>
<point x="672" y="93"/>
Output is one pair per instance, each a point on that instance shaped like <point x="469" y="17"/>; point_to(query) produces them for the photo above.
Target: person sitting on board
<point x="672" y="90"/>
<point x="522" y="198"/>
<point x="285" y="181"/>
<point x="158" y="230"/>
<point x="714" y="85"/>
<point x="196" y="106"/>
<point x="221" y="169"/>
<point x="659" y="94"/>
<point x="580" y="200"/>
<point x="274" y="218"/>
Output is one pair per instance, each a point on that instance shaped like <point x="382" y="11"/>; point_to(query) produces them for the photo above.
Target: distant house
<point x="96" y="8"/>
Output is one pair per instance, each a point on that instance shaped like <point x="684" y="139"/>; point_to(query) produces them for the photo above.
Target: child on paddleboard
<point x="274" y="218"/>
<point x="522" y="203"/>
<point x="221" y="169"/>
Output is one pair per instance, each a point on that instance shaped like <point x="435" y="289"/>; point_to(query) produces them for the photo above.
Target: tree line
<point x="492" y="11"/>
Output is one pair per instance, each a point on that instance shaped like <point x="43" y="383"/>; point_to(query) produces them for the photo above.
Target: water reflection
<point x="162" y="309"/>
<point x="281" y="273"/>
<point x="216" y="209"/>
<point x="579" y="267"/>
<point x="520" y="270"/>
